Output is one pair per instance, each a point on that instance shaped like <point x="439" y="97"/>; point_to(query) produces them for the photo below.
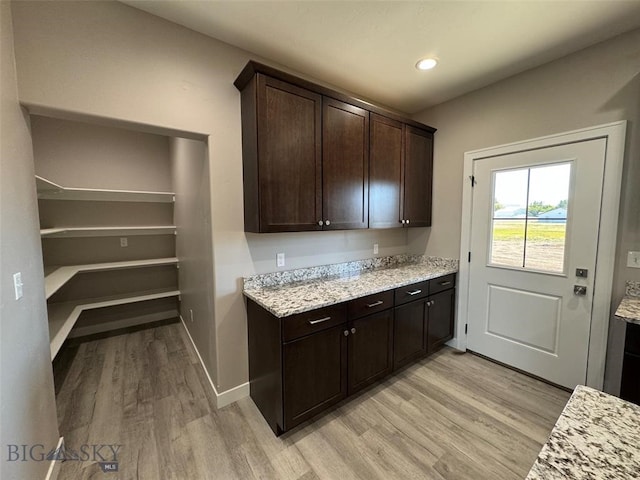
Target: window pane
<point x="509" y="213"/>
<point x="547" y="217"/>
<point x="507" y="242"/>
<point x="545" y="245"/>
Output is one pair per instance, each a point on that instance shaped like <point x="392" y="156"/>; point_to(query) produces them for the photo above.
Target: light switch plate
<point x="633" y="260"/>
<point x="280" y="259"/>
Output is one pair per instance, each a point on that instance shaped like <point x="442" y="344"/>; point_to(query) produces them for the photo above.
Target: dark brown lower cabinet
<point x="315" y="374"/>
<point x="302" y="364"/>
<point x="630" y="386"/>
<point x="440" y="319"/>
<point x="409" y="333"/>
<point x="370" y="349"/>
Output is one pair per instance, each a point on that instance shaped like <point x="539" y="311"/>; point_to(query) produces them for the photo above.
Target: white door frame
<point x="605" y="259"/>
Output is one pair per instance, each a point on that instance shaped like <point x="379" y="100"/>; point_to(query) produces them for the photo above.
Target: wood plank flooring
<point x="450" y="416"/>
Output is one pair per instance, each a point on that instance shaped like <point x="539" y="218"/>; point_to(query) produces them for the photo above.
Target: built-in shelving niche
<point x="111" y="225"/>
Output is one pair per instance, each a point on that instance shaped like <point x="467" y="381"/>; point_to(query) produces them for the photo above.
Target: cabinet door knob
<point x="353" y="330"/>
<point x="407" y="222"/>
<point x="327" y="222"/>
<point x="346" y="333"/>
<point x="429" y="303"/>
<point x="402" y="221"/>
<point x="320" y="222"/>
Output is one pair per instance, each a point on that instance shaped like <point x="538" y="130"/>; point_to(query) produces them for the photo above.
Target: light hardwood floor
<point x="450" y="416"/>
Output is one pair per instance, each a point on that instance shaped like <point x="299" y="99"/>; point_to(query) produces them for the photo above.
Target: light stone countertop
<point x="289" y="299"/>
<point x="629" y="308"/>
<point x="597" y="437"/>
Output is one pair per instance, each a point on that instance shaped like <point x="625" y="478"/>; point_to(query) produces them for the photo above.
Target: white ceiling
<point x="370" y="47"/>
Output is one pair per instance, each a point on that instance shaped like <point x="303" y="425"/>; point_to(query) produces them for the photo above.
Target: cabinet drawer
<point x="302" y="324"/>
<point x="370" y="304"/>
<point x="411" y="292"/>
<point x="441" y="284"/>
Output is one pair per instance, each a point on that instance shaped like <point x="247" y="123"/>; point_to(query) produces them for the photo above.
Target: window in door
<point x="529" y="220"/>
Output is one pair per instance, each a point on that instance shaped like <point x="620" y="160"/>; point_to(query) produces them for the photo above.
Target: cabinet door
<point x="630" y="385"/>
<point x="315" y="374"/>
<point x="370" y="349"/>
<point x="440" y="318"/>
<point x="345" y="166"/>
<point x="418" y="177"/>
<point x="289" y="157"/>
<point x="409" y="333"/>
<point x="386" y="166"/>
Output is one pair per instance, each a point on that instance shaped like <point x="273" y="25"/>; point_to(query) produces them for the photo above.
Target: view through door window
<point x="529" y="222"/>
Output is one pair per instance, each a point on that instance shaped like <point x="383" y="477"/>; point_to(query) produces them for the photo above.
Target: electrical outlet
<point x="17" y="285"/>
<point x="124" y="242"/>
<point x="633" y="260"/>
<point x="375" y="248"/>
<point x="280" y="259"/>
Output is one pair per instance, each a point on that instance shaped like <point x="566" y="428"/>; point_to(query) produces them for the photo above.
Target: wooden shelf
<point x="48" y="190"/>
<point x="61" y="275"/>
<point x="63" y="316"/>
<point x="71" y="232"/>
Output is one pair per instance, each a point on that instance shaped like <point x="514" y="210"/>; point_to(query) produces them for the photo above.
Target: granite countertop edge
<point x="596" y="436"/>
<point x="343" y="295"/>
<point x="629" y="309"/>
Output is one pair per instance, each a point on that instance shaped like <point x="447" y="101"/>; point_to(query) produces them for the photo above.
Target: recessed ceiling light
<point x="426" y="63"/>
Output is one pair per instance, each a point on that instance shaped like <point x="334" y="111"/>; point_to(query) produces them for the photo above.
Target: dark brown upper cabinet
<point x="282" y="156"/>
<point x="401" y="164"/>
<point x="386" y="171"/>
<point x="418" y="177"/>
<point x="345" y="165"/>
<point x="307" y="163"/>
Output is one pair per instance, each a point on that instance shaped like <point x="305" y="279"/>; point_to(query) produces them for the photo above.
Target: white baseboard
<point x="124" y="323"/>
<point x="233" y="395"/>
<point x="228" y="396"/>
<point x="54" y="466"/>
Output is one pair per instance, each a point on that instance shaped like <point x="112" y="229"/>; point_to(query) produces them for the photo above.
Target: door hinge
<point x="473" y="180"/>
<point x="466" y="326"/>
<point x="469" y="260"/>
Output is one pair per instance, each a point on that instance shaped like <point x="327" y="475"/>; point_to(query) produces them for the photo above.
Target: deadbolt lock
<point x="582" y="272"/>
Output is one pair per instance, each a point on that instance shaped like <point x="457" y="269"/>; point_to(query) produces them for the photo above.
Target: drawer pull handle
<point x="415" y="292"/>
<point x="320" y="320"/>
<point x="375" y="304"/>
<point x="445" y="283"/>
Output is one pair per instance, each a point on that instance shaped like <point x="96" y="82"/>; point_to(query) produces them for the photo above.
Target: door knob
<point x="580" y="290"/>
<point x="327" y="223"/>
<point x="353" y="330"/>
<point x="320" y="222"/>
<point x="346" y="333"/>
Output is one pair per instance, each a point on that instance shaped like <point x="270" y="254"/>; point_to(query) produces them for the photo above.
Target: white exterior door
<point x="534" y="225"/>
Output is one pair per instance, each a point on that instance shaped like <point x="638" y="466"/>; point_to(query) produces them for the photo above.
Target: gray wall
<point x="192" y="217"/>
<point x="597" y="85"/>
<point x="27" y="404"/>
<point x="77" y="154"/>
<point x="110" y="60"/>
